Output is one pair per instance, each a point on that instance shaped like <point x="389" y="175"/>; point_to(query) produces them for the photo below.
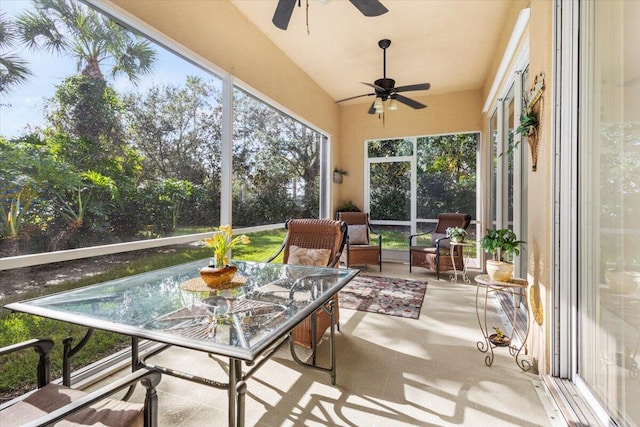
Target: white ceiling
<point x="448" y="43"/>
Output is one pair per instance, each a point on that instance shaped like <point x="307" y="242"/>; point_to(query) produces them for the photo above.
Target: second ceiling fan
<point x="284" y="10"/>
<point x="385" y="88"/>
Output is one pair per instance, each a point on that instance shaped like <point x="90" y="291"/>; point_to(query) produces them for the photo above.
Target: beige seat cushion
<point x="309" y="257"/>
<point x="107" y="413"/>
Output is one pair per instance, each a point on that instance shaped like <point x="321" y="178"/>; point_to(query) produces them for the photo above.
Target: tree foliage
<point x="13" y="69"/>
<point x="108" y="166"/>
<point x="92" y="39"/>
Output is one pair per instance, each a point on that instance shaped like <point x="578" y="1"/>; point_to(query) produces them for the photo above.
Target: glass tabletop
<point x="239" y="322"/>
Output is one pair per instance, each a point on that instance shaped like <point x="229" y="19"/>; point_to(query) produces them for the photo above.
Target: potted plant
<point x="222" y="241"/>
<point x="499" y="338"/>
<point x="503" y="244"/>
<point x="456" y="234"/>
<point x="349" y="207"/>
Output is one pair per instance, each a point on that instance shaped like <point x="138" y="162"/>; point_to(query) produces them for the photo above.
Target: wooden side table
<point x="515" y="286"/>
<point x="454" y="276"/>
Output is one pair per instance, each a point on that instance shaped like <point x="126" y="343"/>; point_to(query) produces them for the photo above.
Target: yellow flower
<point x="222" y="242"/>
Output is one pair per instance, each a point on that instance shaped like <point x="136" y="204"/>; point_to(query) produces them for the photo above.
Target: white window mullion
<point x="500" y="168"/>
<point x="226" y="151"/>
<point x="414" y="187"/>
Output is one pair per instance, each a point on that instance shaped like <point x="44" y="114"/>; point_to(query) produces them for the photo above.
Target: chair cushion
<point x="437" y="236"/>
<point x="311" y="257"/>
<point x="108" y="412"/>
<point x="358" y="235"/>
<point x="429" y="250"/>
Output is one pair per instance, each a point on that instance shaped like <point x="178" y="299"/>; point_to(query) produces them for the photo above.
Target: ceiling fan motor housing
<point x="386" y="84"/>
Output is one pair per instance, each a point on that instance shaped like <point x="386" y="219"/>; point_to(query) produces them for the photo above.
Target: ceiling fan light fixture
<point x="377" y="104"/>
<point x="393" y="104"/>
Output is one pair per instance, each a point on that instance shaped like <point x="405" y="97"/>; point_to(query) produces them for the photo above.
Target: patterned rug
<point x="384" y="295"/>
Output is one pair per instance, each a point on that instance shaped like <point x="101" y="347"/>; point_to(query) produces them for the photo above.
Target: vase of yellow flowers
<point x="221" y="273"/>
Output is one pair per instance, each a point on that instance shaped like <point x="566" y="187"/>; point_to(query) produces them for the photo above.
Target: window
<point x="276" y="167"/>
<point x="118" y="146"/>
<point x="507" y="196"/>
<point x="412" y="180"/>
<point x="133" y="150"/>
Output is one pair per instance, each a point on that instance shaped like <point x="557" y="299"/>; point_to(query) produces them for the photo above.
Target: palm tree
<point x="65" y="26"/>
<point x="13" y="70"/>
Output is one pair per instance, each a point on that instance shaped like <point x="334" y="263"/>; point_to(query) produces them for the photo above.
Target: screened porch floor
<point x="391" y="372"/>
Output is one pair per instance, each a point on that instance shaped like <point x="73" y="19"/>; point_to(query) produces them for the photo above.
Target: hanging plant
<point x="528" y="123"/>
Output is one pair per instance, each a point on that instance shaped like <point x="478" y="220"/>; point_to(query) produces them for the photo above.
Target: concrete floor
<point x="391" y="372"/>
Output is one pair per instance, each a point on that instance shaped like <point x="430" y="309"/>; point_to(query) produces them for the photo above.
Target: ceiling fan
<point x="284" y="10"/>
<point x="384" y="88"/>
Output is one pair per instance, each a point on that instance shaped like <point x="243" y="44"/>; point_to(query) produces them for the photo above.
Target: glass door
<point x="609" y="208"/>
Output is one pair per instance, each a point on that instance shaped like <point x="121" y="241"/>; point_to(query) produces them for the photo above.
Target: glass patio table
<point x="248" y="323"/>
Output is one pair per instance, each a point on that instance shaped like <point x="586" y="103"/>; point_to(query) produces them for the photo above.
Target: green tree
<point x="276" y="164"/>
<point x="78" y="194"/>
<point x="13" y="69"/>
<point x="446" y="167"/>
<point x="65" y="26"/>
<point x="86" y="135"/>
<point x="177" y="130"/>
<point x="163" y="201"/>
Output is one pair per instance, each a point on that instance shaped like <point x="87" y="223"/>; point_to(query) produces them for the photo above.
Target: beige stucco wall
<point x="453" y="112"/>
<point x="540" y="185"/>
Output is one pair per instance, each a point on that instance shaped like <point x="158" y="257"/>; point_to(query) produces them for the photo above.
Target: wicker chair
<point x="314" y="234"/>
<point x="360" y="250"/>
<point x="52" y="402"/>
<point x="437" y="256"/>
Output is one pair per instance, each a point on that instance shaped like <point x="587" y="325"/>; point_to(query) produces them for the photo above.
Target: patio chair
<point x="316" y="242"/>
<point x="360" y="250"/>
<point x="51" y="402"/>
<point x="437" y="256"/>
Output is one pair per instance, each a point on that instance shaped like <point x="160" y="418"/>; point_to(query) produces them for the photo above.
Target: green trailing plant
<point x="349" y="207"/>
<point x="528" y="122"/>
<point x="503" y="244"/>
<point x="456" y="233"/>
<point x="528" y="126"/>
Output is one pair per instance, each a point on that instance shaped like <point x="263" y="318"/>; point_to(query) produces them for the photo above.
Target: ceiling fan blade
<point x="410" y="102"/>
<point x="354" y="97"/>
<point x="372" y="109"/>
<point x="370" y="7"/>
<point x="376" y="87"/>
<point x="408" y="88"/>
<point x="283" y="13"/>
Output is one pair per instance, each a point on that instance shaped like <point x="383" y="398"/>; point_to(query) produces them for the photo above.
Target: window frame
<point x="403" y="255"/>
<point x="135" y="25"/>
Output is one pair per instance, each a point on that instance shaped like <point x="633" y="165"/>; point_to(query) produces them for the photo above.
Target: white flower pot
<point x="500" y="271"/>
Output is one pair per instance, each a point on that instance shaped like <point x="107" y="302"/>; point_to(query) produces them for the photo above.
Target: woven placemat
<point x="198" y="285"/>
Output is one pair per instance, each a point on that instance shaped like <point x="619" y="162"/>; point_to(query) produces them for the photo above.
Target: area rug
<point x="384" y="295"/>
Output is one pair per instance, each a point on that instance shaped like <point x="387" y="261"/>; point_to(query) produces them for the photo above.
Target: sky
<point x="23" y="105"/>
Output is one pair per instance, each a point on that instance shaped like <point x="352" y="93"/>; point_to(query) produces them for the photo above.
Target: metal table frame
<point x="454" y="276"/>
<point x="253" y="357"/>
